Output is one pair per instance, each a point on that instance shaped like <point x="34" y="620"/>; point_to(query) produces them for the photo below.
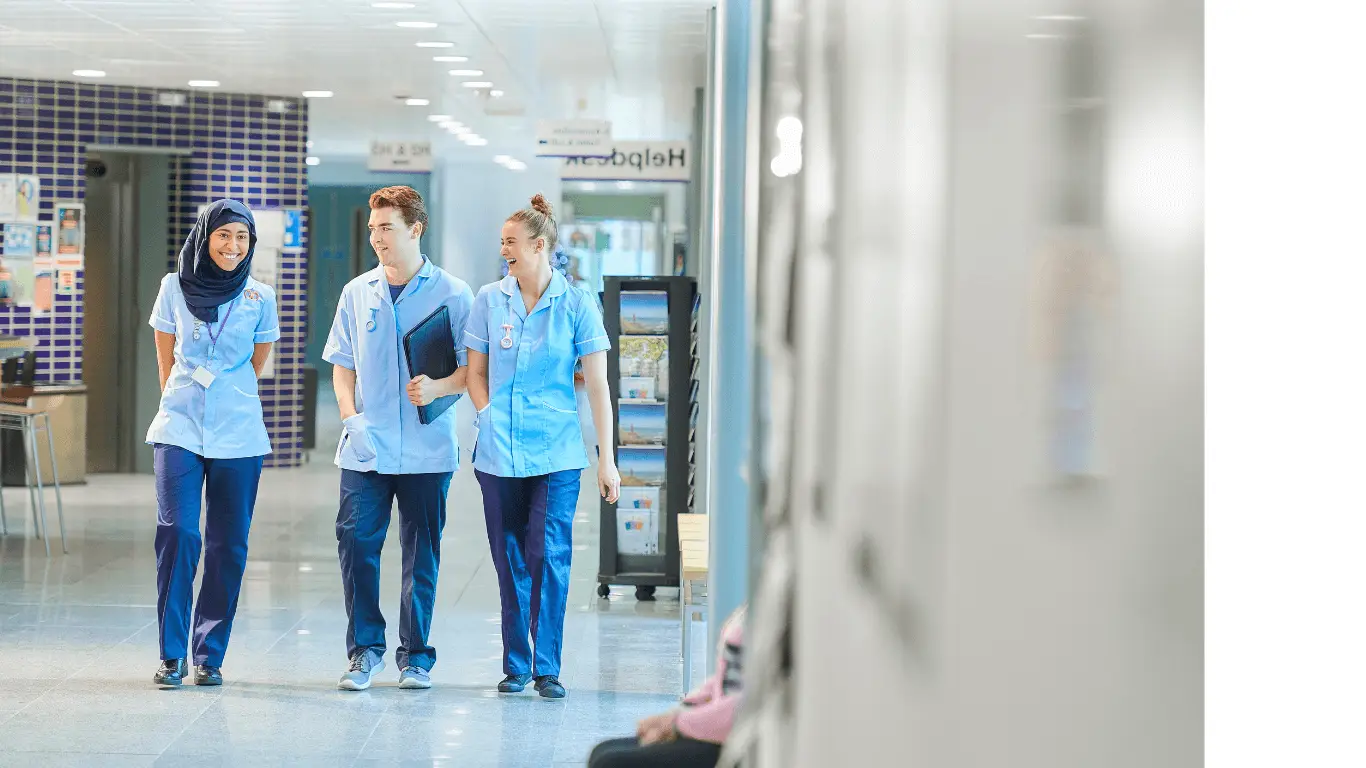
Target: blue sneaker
<point x="364" y="664"/>
<point x="514" y="683"/>
<point x="414" y="678"/>
<point x="549" y="687"/>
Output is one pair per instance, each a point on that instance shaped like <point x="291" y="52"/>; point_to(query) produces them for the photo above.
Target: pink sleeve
<point x="710" y="722"/>
<point x="704" y="692"/>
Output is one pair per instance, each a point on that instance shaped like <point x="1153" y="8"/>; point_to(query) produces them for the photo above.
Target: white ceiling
<point x="634" y="62"/>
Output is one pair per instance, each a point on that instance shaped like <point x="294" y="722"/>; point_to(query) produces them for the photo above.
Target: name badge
<point x="202" y="375"/>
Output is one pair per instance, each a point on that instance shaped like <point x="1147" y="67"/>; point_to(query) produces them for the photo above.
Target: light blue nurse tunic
<point x="531" y="424"/>
<point x="385" y="435"/>
<point x="223" y="420"/>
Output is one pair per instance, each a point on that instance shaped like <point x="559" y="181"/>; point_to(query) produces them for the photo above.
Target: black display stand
<point x="646" y="571"/>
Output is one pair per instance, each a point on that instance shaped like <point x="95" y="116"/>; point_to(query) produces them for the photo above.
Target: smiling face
<point x="523" y="253"/>
<point x="394" y="241"/>
<point x="229" y="244"/>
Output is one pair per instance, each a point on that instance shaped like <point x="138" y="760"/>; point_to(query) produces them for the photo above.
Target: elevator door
<point x="126" y="256"/>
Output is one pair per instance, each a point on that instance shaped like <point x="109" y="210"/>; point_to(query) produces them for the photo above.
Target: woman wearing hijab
<point x="214" y="328"/>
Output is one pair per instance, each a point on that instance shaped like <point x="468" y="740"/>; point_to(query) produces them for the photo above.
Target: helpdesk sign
<point x="633" y="161"/>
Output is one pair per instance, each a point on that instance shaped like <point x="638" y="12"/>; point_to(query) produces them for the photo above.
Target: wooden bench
<point x="694" y="547"/>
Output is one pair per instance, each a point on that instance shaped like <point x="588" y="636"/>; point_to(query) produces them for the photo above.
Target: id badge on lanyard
<point x="201" y="375"/>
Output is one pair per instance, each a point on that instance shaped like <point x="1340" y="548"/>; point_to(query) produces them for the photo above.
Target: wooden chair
<point x="694" y="547"/>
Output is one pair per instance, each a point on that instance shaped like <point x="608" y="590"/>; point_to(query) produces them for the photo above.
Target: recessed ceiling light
<point x="477" y="142"/>
<point x="478" y="84"/>
<point x="440" y="118"/>
<point x="467" y="72"/>
<point x="309" y="144"/>
<point x="203" y="83"/>
<point x="396" y="6"/>
<point x="451" y="59"/>
<point x="497" y="94"/>
<point x="417" y="102"/>
<point x="460" y="130"/>
<point x="435" y="44"/>
<point x="317" y="94"/>
<point x="516" y="165"/>
<point x="416" y="24"/>
<point x="88" y="73"/>
<point x="501" y="158"/>
<point x="312" y="160"/>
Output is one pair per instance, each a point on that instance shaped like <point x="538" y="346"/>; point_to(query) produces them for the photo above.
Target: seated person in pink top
<point x="691" y="736"/>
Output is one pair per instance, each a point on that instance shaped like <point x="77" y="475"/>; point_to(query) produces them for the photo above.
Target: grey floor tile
<point x="79" y="638"/>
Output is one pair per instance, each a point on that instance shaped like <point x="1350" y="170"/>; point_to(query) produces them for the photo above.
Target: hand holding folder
<point x="430" y="350"/>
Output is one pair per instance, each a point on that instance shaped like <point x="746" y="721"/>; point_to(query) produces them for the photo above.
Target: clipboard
<point x="430" y="350"/>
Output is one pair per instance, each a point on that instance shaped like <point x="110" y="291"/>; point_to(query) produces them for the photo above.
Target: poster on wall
<point x="18" y="257"/>
<point x="20" y="241"/>
<point x="66" y="282"/>
<point x="42" y="246"/>
<point x="9" y="190"/>
<point x="70" y="234"/>
<point x="26" y="198"/>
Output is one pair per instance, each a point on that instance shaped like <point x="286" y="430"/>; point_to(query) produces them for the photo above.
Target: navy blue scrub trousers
<point x="530" y="523"/>
<point x="183" y="478"/>
<point x="367" y="499"/>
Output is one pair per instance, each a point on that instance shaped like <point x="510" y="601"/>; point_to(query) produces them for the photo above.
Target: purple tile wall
<point x="241" y="149"/>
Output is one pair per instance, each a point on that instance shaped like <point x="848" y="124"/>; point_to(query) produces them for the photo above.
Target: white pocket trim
<point x="242" y="392"/>
<point x="559" y="410"/>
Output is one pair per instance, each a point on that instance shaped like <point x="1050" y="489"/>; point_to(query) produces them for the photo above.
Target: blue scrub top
<point x="531" y="425"/>
<point x="385" y="435"/>
<point x="223" y="421"/>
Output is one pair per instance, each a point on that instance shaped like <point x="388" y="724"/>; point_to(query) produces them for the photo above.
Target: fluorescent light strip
<point x="467" y="72"/>
<point x="88" y="73"/>
<point x="417" y="102"/>
<point x="477" y="84"/>
<point x="317" y="94"/>
<point x="451" y="59"/>
<point x="203" y="83"/>
<point x="415" y="24"/>
<point x="435" y="44"/>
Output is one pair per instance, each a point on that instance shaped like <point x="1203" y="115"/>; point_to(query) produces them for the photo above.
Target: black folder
<point x="430" y="350"/>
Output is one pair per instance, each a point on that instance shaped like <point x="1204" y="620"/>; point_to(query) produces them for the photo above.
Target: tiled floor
<point x="78" y="646"/>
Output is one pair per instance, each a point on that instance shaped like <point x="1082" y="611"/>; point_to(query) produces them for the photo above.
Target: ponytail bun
<point x="540" y="204"/>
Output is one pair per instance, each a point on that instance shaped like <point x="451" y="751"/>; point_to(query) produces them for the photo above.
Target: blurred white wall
<point x="998" y="463"/>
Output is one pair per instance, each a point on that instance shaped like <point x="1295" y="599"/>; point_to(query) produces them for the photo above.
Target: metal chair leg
<point x="40" y="510"/>
<point x="4" y="524"/>
<point x="56" y="479"/>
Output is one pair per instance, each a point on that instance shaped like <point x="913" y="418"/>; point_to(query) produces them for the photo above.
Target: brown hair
<point x="539" y="222"/>
<point x="406" y="200"/>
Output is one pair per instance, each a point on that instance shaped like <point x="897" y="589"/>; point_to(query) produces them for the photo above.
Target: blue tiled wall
<point x="240" y="149"/>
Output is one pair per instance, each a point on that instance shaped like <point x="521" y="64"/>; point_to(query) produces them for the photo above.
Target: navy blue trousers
<point x="183" y="478"/>
<point x="530" y="523"/>
<point x="367" y="499"/>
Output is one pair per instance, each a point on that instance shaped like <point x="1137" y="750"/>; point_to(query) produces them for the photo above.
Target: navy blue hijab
<point x="203" y="283"/>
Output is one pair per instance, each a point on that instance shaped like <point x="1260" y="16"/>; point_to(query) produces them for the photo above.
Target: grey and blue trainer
<point x="414" y="678"/>
<point x="364" y="666"/>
